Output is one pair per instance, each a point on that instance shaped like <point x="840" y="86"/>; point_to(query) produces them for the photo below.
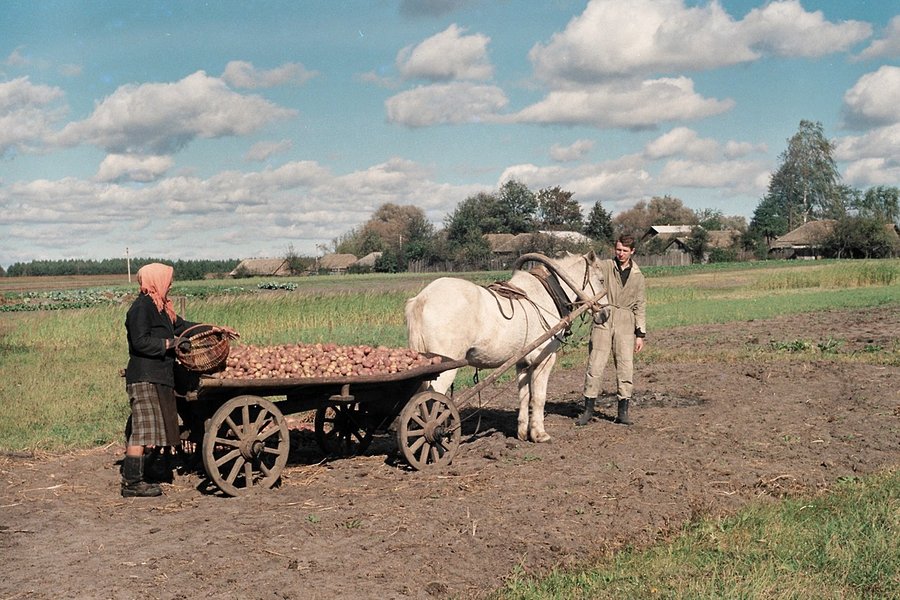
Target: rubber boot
<point x="585" y="417"/>
<point x="157" y="468"/>
<point x="622" y="416"/>
<point x="133" y="484"/>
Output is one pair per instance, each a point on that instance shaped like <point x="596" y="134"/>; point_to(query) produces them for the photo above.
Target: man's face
<point x="623" y="253"/>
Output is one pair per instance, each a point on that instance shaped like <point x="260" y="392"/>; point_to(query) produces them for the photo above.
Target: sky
<point x="238" y="129"/>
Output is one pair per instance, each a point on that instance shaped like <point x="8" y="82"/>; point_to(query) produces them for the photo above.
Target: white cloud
<point x="872" y="171"/>
<point x="457" y="102"/>
<point x="887" y="46"/>
<point x="735" y="176"/>
<point x="874" y="100"/>
<point x="26" y="114"/>
<point x="161" y="118"/>
<point x="685" y="142"/>
<point x="606" y="181"/>
<point x="614" y="38"/>
<point x="633" y="105"/>
<point x="787" y="29"/>
<point x="681" y="141"/>
<point x="573" y="151"/>
<point x="242" y="74"/>
<point x="261" y="151"/>
<point x="872" y="158"/>
<point x="446" y="56"/>
<point x="121" y="167"/>
<point x="17" y="59"/>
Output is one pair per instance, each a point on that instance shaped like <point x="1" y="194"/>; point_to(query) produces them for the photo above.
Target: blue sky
<point x="237" y="129"/>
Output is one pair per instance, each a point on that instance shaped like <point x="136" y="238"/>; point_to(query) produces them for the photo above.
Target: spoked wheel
<point x="344" y="429"/>
<point x="246" y="445"/>
<point x="429" y="431"/>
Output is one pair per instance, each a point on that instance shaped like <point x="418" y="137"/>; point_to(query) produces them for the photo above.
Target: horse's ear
<point x="591" y="256"/>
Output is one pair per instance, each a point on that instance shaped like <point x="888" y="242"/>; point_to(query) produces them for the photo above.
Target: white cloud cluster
<point x="887" y="46"/>
<point x="446" y="103"/>
<point x="446" y="56"/>
<point x="261" y="151"/>
<point x="619" y="104"/>
<point x="872" y="104"/>
<point x="573" y="151"/>
<point x="614" y="38"/>
<point x="242" y="74"/>
<point x="133" y="167"/>
<point x="27" y="114"/>
<point x="161" y="118"/>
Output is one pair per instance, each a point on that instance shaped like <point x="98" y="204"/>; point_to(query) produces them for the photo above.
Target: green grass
<point x="842" y="545"/>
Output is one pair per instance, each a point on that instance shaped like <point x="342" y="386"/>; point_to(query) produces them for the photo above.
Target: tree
<point x="698" y="243"/>
<point x="599" y="225"/>
<point x="661" y="210"/>
<point x="859" y="237"/>
<point x="519" y="206"/>
<point x="880" y="203"/>
<point x="557" y="210"/>
<point x="806" y="185"/>
<point x="769" y="220"/>
<point x="474" y="216"/>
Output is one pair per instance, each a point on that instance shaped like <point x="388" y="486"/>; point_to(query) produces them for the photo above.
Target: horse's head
<point x="581" y="275"/>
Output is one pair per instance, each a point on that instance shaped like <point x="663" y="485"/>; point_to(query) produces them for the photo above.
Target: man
<point x="622" y="334"/>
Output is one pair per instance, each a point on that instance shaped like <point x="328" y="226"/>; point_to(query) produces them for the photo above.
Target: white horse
<point x="461" y="320"/>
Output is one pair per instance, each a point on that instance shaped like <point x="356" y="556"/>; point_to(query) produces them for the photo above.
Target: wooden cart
<point x="245" y="441"/>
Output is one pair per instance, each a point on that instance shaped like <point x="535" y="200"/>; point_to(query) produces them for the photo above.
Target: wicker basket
<point x="207" y="350"/>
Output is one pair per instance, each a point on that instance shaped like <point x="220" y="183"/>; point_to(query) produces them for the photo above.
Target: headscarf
<point x="155" y="280"/>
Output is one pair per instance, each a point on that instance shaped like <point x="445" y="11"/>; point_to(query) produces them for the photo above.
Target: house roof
<point x="670" y="230"/>
<point x="337" y="261"/>
<point x="369" y="259"/>
<point x="505" y="243"/>
<point x="262" y="266"/>
<point x="809" y="234"/>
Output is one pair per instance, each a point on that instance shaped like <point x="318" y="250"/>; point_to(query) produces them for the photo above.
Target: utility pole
<point x="128" y="262"/>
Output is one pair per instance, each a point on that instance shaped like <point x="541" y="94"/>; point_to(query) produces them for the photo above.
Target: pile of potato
<point x="287" y="361"/>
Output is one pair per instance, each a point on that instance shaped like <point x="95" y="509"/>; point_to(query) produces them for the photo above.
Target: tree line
<point x="186" y="269"/>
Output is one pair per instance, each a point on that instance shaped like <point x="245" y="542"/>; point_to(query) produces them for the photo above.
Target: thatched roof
<point x="809" y="234"/>
<point x="507" y="243"/>
<point x="337" y="262"/>
<point x="369" y="259"/>
<point x="265" y="267"/>
<point x="495" y="241"/>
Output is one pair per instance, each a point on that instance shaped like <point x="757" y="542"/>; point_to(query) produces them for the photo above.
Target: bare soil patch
<point x="710" y="436"/>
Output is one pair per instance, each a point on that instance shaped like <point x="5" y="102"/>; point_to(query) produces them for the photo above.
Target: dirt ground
<point x="713" y="432"/>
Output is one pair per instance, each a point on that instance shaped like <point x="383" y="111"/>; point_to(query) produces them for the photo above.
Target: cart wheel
<point x="343" y="429"/>
<point x="430" y="430"/>
<point x="246" y="445"/>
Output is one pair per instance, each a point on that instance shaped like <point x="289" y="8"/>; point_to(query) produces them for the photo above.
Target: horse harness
<point x="550" y="282"/>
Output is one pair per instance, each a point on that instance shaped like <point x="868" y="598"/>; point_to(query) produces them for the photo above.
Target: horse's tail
<point x="414" y="331"/>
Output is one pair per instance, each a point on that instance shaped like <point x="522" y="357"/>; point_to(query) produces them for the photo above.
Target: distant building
<point x="261" y="267"/>
<point x="803" y="242"/>
<point x="337" y="263"/>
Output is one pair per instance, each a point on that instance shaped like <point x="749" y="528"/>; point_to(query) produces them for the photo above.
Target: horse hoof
<point x="541" y="438"/>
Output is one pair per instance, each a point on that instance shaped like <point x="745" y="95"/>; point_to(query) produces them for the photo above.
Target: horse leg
<point x="540" y="376"/>
<point x="523" y="377"/>
<point x="444" y="381"/>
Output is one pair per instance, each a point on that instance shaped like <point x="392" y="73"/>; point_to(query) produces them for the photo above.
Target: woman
<point x="152" y="327"/>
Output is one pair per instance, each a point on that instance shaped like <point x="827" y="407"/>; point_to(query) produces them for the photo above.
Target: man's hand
<point x="638" y="344"/>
